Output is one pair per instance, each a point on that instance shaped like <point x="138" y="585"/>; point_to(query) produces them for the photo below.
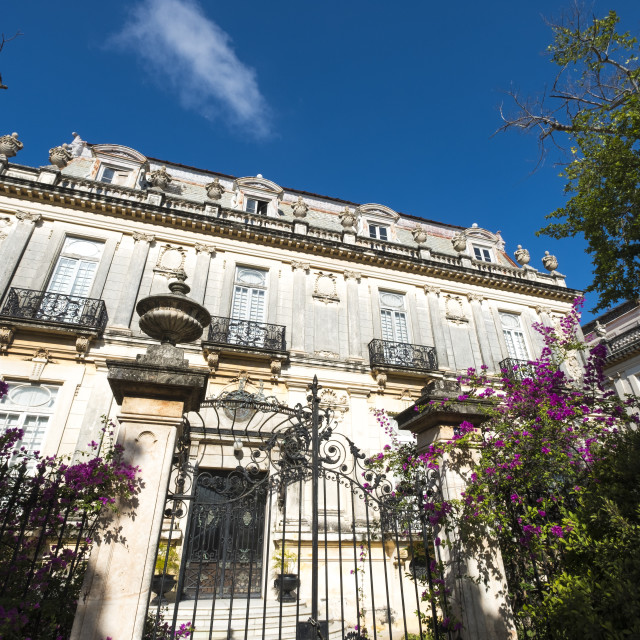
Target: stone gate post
<point x="153" y="392"/>
<point x="477" y="581"/>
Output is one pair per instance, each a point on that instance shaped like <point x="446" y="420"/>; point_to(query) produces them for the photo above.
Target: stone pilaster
<point x="13" y="247"/>
<point x="475" y="301"/>
<point x="127" y="301"/>
<point x="436" y="325"/>
<point x="353" y="314"/>
<point x="204" y="253"/>
<point x="300" y="270"/>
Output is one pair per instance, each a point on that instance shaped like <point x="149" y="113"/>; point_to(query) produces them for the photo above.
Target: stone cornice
<point x="192" y="215"/>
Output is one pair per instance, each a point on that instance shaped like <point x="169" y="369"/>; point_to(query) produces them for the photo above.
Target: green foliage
<point x="596" y="98"/>
<point x="284" y="561"/>
<point x="172" y="559"/>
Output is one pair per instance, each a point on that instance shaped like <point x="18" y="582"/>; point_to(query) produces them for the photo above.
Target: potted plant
<point x="285" y="564"/>
<point x="165" y="578"/>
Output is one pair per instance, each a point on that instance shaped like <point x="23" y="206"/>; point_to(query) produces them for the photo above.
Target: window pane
<point x="251" y="205"/>
<point x="107" y="175"/>
<point x="383" y="233"/>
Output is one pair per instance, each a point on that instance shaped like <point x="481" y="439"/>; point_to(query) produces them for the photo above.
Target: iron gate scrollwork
<point x="299" y="501"/>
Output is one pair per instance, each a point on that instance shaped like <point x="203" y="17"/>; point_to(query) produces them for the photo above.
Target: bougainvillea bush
<point x="51" y="512"/>
<point x="553" y="477"/>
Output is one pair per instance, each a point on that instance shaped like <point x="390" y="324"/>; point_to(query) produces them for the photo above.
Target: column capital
<point x="429" y="288"/>
<point x="205" y="248"/>
<point x="303" y="266"/>
<point x="475" y="297"/>
<point x="28" y="217"/>
<point x="143" y="237"/>
<point x="352" y="275"/>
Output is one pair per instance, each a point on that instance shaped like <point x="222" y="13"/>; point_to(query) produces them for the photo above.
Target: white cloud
<point x="181" y="46"/>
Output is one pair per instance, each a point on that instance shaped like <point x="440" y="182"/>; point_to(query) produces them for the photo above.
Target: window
<point x="115" y="176"/>
<point x="513" y="336"/>
<point x="246" y="325"/>
<point x="379" y="232"/>
<point x="28" y="407"/>
<point x="256" y="206"/>
<point x="71" y="279"/>
<point x="393" y="317"/>
<point x="482" y="253"/>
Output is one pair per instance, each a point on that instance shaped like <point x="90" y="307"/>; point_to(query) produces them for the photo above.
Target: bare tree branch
<point x="3" y="41"/>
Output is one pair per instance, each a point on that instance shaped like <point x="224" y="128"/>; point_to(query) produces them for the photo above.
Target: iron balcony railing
<point x="624" y="342"/>
<point x="246" y="333"/>
<point x="55" y="308"/>
<point x="402" y="355"/>
<point x="516" y="369"/>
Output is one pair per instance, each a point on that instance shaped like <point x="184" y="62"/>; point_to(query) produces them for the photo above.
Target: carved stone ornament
<point x="419" y="235"/>
<point x="6" y="338"/>
<point x="300" y="208"/>
<point x="429" y="288"/>
<point x="9" y="146"/>
<point x="454" y="309"/>
<point x="213" y="360"/>
<point x="276" y="369"/>
<point x="326" y="354"/>
<point x="352" y="275"/>
<point x="159" y="178"/>
<point x="303" y="266"/>
<point x="26" y="216"/>
<point x="143" y="237"/>
<point x="60" y="156"/>
<point x="214" y="190"/>
<point x="170" y="260"/>
<point x="600" y="330"/>
<point x="459" y="242"/>
<point x="549" y="262"/>
<point x="83" y="343"/>
<point x="325" y="288"/>
<point x="381" y="380"/>
<point x="522" y="255"/>
<point x="474" y="297"/>
<point x="338" y="403"/>
<point x="348" y="219"/>
<point x="205" y="248"/>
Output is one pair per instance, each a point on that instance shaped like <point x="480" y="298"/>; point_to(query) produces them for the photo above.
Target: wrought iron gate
<point x="300" y="540"/>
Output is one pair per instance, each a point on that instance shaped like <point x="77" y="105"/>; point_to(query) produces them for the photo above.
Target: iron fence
<point x="402" y="355"/>
<point x="516" y="369"/>
<point x="58" y="308"/>
<point x="246" y="333"/>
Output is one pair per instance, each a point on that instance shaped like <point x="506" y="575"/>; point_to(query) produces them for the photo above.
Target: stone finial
<point x="159" y="178"/>
<point x="600" y="330"/>
<point x="522" y="256"/>
<point x="9" y="146"/>
<point x="214" y="190"/>
<point x="550" y="262"/>
<point x="300" y="208"/>
<point x="348" y="219"/>
<point x="419" y="235"/>
<point x="459" y="242"/>
<point x="60" y="156"/>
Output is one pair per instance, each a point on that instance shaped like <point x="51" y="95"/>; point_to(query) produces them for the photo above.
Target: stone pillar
<point x="300" y="270"/>
<point x="153" y="393"/>
<point x="353" y="314"/>
<point x="481" y="330"/>
<point x="436" y="325"/>
<point x="203" y="260"/>
<point x="122" y="317"/>
<point x="14" y="245"/>
<point x="477" y="582"/>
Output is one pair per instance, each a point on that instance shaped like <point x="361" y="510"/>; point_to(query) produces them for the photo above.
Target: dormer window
<point x="482" y="253"/>
<point x="378" y="231"/>
<point x="109" y="175"/>
<point x="259" y="207"/>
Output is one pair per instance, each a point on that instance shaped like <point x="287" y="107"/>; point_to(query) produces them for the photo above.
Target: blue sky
<point x="366" y="101"/>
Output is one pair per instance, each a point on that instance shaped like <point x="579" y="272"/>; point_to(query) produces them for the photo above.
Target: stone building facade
<point x="374" y="302"/>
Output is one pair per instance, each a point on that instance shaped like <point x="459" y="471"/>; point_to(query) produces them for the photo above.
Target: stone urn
<point x="348" y="220"/>
<point x="550" y="262"/>
<point x="522" y="256"/>
<point x="173" y="318"/>
<point x="159" y="178"/>
<point x="214" y="190"/>
<point x="419" y="235"/>
<point x="300" y="208"/>
<point x="9" y="146"/>
<point x="60" y="156"/>
<point x="459" y="242"/>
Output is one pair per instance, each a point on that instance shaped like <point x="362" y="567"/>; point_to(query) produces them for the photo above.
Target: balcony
<point x="515" y="369"/>
<point x="245" y="339"/>
<point x="54" y="311"/>
<point x="623" y="345"/>
<point x="384" y="354"/>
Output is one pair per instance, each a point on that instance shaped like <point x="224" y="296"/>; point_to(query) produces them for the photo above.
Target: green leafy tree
<point x="593" y="111"/>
